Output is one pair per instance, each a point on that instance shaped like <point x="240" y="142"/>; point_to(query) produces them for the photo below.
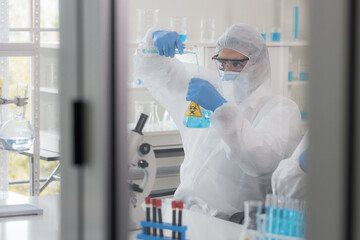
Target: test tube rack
<point x="166" y="226"/>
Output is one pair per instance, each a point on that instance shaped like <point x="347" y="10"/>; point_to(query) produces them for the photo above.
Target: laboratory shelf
<point x="54" y="45"/>
<point x="288" y="44"/>
<point x="298" y="83"/>
<point x="49" y="90"/>
<point x="299" y="43"/>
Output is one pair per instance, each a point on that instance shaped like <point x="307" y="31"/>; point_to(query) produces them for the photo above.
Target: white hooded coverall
<point x="232" y="160"/>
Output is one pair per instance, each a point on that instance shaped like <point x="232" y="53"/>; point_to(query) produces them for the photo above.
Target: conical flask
<point x="17" y="134"/>
<point x="196" y="116"/>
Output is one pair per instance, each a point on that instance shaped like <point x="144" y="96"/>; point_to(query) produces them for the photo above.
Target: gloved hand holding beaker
<point x="166" y="42"/>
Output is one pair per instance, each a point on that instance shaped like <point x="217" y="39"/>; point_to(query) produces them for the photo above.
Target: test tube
<point x="296" y="20"/>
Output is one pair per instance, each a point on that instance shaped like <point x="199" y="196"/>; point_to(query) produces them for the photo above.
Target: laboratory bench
<point x="47" y="225"/>
<point x="35" y="227"/>
<point x="200" y="226"/>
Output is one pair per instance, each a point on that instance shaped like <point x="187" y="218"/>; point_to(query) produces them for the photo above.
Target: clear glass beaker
<point x="303" y="71"/>
<point x="252" y="225"/>
<point x="146" y="19"/>
<point x="207" y="27"/>
<point x="178" y="24"/>
<point x="262" y="31"/>
<point x="17" y="134"/>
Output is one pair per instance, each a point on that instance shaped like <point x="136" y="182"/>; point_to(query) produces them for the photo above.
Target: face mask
<point x="234" y="86"/>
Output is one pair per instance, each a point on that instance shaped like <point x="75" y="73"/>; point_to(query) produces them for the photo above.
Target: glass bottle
<point x="252" y="223"/>
<point x="17" y="134"/>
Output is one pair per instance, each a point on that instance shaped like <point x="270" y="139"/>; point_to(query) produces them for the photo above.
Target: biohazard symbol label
<point x="193" y="110"/>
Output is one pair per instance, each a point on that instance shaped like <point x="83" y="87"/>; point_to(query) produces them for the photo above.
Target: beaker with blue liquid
<point x="178" y="24"/>
<point x="275" y="35"/>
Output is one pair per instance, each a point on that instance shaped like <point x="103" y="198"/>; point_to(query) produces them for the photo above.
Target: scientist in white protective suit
<point x="251" y="129"/>
<point x="289" y="178"/>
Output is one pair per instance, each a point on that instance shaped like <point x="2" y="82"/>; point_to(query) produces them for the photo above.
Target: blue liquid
<point x="194" y="122"/>
<point x="264" y="36"/>
<point x="183" y="38"/>
<point x="304" y="76"/>
<point x="269" y="223"/>
<point x="275" y="37"/>
<point x="294" y="224"/>
<point x="301" y="225"/>
<point x="304" y="116"/>
<point x="17" y="144"/>
<point x="290" y="76"/>
<point x="138" y="82"/>
<point x="296" y="22"/>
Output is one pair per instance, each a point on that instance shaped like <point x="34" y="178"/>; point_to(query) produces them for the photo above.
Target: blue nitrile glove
<point x="166" y="42"/>
<point x="205" y="94"/>
<point x="303" y="160"/>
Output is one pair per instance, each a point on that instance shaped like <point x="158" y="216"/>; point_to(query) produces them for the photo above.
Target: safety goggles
<point x="234" y="65"/>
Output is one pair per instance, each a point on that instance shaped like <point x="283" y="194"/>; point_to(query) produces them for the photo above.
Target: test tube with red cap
<point x="160" y="216"/>
<point x="148" y="203"/>
<point x="154" y="203"/>
<point x="180" y="206"/>
<point x="173" y="206"/>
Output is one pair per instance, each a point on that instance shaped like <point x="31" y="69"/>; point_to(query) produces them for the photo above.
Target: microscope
<point x="141" y="162"/>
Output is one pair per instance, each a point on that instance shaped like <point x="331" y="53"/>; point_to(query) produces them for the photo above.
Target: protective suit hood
<point x="245" y="40"/>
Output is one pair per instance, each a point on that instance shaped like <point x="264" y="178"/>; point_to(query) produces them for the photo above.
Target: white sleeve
<point x="289" y="179"/>
<point x="166" y="78"/>
<point x="259" y="149"/>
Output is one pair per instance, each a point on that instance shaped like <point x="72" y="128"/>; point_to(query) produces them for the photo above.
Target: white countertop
<point x="201" y="226"/>
<point x="40" y="227"/>
<point x="47" y="226"/>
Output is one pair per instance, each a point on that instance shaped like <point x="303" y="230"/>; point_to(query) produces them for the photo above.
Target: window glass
<point x="19" y="37"/>
<point x="49" y="37"/>
<point x="49" y="14"/>
<point x="19" y="14"/>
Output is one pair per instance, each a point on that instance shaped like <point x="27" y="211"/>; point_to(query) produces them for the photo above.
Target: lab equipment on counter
<point x="157" y="223"/>
<point x="17" y="134"/>
<point x="252" y="223"/>
<point x="178" y="24"/>
<point x="285" y="218"/>
<point x="141" y="158"/>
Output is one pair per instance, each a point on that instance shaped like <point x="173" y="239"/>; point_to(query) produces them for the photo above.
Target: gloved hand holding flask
<point x="201" y="92"/>
<point x="205" y="94"/>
